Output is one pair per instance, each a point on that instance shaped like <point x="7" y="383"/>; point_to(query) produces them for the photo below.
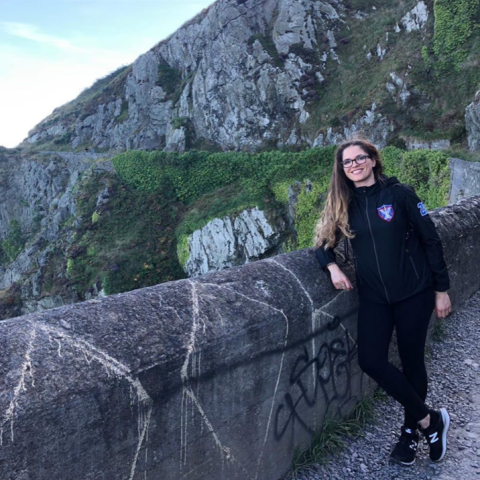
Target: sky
<point x="51" y="50"/>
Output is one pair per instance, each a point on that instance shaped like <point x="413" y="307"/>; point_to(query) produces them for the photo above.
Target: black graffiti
<point x="331" y="368"/>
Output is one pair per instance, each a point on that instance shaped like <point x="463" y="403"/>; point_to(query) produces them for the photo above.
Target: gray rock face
<point x="416" y="18"/>
<point x="37" y="191"/>
<point x="231" y="241"/>
<point x="398" y="89"/>
<point x="231" y="69"/>
<point x="472" y="123"/>
<point x="415" y="143"/>
<point x="464" y="179"/>
<point x="372" y="125"/>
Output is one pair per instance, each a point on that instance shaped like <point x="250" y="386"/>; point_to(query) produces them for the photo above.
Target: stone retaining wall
<point x="464" y="179"/>
<point x="219" y="377"/>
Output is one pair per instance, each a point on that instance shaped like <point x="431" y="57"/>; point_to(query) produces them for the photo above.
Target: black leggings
<point x="410" y="317"/>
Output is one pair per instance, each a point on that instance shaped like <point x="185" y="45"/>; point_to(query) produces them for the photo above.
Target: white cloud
<point x="31" y="32"/>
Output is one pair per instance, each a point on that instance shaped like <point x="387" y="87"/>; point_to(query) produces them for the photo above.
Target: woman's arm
<point x="443" y="305"/>
<point x="339" y="279"/>
<point x="428" y="236"/>
<point x="327" y="260"/>
<point x="325" y="257"/>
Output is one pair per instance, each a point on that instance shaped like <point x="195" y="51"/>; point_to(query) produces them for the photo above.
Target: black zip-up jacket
<point x="397" y="250"/>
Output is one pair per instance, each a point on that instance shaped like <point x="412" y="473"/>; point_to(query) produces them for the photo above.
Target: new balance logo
<point x="433" y="437"/>
<point x="413" y="445"/>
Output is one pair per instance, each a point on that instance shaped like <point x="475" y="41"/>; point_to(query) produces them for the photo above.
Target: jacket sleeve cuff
<point x="325" y="257"/>
<point x="441" y="286"/>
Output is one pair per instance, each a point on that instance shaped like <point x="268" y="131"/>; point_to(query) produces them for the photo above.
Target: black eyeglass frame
<point x="359" y="160"/>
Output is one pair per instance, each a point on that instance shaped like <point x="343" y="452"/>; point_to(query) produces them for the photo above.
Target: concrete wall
<point x="464" y="179"/>
<point x="219" y="377"/>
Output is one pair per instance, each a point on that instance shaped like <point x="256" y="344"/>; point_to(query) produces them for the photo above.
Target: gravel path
<point x="453" y="366"/>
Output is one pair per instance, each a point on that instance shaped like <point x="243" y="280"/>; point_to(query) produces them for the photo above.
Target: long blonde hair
<point x="333" y="225"/>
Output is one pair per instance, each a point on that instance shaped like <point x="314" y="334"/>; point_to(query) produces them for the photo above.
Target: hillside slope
<point x="256" y="74"/>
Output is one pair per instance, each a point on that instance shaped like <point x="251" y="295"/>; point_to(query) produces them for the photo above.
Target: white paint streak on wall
<point x="329" y="315"/>
<point x="312" y="328"/>
<point x="111" y="365"/>
<point x="189" y="395"/>
<point x="143" y="424"/>
<point x="280" y="367"/>
<point x="26" y="369"/>
<point x="185" y="377"/>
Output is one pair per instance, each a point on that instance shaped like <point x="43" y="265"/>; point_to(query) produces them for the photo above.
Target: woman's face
<point x="361" y="175"/>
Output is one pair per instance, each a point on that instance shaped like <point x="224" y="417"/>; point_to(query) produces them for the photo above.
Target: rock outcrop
<point x="242" y="75"/>
<point x="233" y="240"/>
<point x="254" y="74"/>
<point x="464" y="179"/>
<point x="416" y="18"/>
<point x="38" y="193"/>
<point x="472" y="122"/>
<point x="244" y="67"/>
<point x="373" y="125"/>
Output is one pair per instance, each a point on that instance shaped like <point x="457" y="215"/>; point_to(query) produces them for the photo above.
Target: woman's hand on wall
<point x="443" y="306"/>
<point x="339" y="279"/>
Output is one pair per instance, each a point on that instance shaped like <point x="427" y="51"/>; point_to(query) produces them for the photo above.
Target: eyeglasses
<point x="359" y="160"/>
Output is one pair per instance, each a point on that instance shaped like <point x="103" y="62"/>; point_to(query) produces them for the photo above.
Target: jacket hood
<point x="392" y="180"/>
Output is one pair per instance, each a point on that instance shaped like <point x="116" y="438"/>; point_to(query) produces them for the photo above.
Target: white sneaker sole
<point x="446" y="423"/>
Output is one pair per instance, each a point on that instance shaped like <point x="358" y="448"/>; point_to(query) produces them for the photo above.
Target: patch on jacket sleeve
<point x="423" y="210"/>
<point x="386" y="212"/>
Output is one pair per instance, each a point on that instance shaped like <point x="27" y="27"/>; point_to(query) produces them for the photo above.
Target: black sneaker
<point x="436" y="434"/>
<point x="406" y="447"/>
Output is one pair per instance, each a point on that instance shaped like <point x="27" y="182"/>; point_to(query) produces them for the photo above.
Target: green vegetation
<point x="214" y="185"/>
<point x="103" y="83"/>
<point x="426" y="171"/>
<point x="330" y="438"/>
<point x="158" y="199"/>
<point x="168" y="78"/>
<point x="179" y="122"/>
<point x="455" y="23"/>
<point x="307" y="211"/>
<point x="439" y="95"/>
<point x="438" y="333"/>
<point x="227" y="183"/>
<point x="123" y="113"/>
<point x="129" y="245"/>
<point x="188" y="176"/>
<point x="14" y="241"/>
<point x="269" y="45"/>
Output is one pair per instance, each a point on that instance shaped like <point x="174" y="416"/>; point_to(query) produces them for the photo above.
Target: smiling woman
<point x="358" y="166"/>
<point x="53" y="50"/>
<point x="401" y="278"/>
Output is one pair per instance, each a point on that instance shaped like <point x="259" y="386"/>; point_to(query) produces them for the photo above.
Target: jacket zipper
<point x="375" y="249"/>
<point x="356" y="270"/>
<point x="413" y="265"/>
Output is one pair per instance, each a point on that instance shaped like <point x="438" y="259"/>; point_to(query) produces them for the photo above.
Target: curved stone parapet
<point x="217" y="377"/>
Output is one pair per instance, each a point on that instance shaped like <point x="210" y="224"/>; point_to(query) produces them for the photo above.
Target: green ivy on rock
<point x="455" y="22"/>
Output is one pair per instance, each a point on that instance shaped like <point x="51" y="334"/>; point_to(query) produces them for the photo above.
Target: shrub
<point x="14" y="242"/>
<point x="454" y="24"/>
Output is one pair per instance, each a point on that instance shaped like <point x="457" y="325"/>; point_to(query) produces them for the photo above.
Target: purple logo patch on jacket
<point x="386" y="212"/>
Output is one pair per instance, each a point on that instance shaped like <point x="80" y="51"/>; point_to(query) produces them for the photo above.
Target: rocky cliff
<point x="37" y="200"/>
<point x="244" y="75"/>
<point x="251" y="74"/>
<point x="225" y="242"/>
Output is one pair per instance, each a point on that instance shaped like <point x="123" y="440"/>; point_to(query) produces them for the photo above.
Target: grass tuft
<point x="438" y="333"/>
<point x="332" y="436"/>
